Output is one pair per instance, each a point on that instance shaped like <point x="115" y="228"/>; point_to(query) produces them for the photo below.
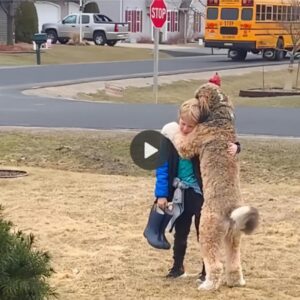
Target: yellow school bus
<point x="257" y="26"/>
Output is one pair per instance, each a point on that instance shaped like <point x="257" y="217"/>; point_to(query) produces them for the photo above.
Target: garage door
<point x="73" y="8"/>
<point x="47" y="12"/>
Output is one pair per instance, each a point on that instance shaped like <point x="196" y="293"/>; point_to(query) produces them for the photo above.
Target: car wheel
<point x="111" y="43"/>
<point x="52" y="35"/>
<point x="99" y="38"/>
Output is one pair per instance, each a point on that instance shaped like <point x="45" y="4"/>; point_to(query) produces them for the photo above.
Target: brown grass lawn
<point x="174" y="89"/>
<point x="179" y="90"/>
<point x="66" y="54"/>
<point x="92" y="223"/>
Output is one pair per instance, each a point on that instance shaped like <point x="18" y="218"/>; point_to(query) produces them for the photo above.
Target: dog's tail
<point x="244" y="219"/>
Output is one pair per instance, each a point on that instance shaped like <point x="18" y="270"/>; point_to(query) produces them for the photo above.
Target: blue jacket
<point x="166" y="173"/>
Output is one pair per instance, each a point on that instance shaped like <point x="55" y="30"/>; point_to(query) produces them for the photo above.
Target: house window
<point x="197" y="22"/>
<point x="172" y="21"/>
<point x="134" y="18"/>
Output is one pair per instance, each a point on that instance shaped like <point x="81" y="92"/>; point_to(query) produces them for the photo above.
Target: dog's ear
<point x="203" y="108"/>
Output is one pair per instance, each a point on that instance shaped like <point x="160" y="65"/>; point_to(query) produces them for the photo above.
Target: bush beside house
<point x="26" y="22"/>
<point x="91" y="7"/>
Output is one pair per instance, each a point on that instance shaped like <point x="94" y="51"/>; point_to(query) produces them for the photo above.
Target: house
<point x="48" y="11"/>
<point x="54" y="11"/>
<point x="185" y="21"/>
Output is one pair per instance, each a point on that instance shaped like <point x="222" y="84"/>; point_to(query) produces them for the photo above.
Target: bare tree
<point x="292" y="26"/>
<point x="9" y="8"/>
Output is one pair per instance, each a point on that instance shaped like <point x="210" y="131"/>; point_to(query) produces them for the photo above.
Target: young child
<point x="186" y="171"/>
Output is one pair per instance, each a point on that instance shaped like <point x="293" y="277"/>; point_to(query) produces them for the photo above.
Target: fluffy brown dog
<point x="223" y="216"/>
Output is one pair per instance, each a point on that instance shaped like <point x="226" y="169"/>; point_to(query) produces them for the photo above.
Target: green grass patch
<point x="104" y="152"/>
<point x="178" y="91"/>
<point x="67" y="54"/>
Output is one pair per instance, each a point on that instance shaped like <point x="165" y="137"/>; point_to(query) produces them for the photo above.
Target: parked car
<point x="95" y="27"/>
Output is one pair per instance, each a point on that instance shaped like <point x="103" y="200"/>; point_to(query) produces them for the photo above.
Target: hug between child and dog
<point x="201" y="178"/>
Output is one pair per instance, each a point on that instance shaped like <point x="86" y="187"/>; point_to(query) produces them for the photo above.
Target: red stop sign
<point x="158" y="13"/>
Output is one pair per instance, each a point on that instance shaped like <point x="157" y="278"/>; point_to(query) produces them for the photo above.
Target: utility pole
<point x="80" y="21"/>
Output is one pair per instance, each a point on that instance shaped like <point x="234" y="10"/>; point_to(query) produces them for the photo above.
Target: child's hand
<point x="232" y="149"/>
<point x="162" y="203"/>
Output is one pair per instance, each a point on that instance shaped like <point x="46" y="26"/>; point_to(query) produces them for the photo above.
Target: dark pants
<point x="192" y="206"/>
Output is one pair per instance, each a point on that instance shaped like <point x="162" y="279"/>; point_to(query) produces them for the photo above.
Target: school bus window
<point x="283" y="13"/>
<point x="293" y="14"/>
<point x="260" y="12"/>
<point x="258" y="8"/>
<point x="229" y="14"/>
<point x="296" y="13"/>
<point x="212" y="13"/>
<point x="269" y="13"/>
<point x="247" y="14"/>
<point x="275" y="16"/>
<point x="263" y="12"/>
<point x="289" y="13"/>
<point x="279" y="13"/>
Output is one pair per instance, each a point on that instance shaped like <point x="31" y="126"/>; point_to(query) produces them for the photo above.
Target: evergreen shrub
<point x="23" y="270"/>
<point x="91" y="7"/>
<point x="26" y="22"/>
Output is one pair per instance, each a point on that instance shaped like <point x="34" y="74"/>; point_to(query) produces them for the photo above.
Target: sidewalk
<point x="190" y="48"/>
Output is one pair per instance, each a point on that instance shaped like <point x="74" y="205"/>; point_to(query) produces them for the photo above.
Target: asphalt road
<point x="61" y="74"/>
<point x="20" y="110"/>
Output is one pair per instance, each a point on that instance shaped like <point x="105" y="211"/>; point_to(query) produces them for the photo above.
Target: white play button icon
<point x="149" y="150"/>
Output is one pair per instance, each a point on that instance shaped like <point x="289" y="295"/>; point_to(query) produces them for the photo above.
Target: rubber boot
<point x="162" y="237"/>
<point x="155" y="229"/>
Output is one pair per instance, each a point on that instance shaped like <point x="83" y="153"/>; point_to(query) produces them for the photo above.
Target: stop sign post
<point x="158" y="15"/>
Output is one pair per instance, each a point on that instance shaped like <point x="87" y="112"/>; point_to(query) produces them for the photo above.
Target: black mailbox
<point x="40" y="38"/>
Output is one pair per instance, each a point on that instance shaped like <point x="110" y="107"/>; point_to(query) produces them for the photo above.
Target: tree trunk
<point x="288" y="84"/>
<point x="10" y="30"/>
<point x="297" y="77"/>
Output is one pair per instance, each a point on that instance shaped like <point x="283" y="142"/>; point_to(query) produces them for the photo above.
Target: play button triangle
<point x="149" y="150"/>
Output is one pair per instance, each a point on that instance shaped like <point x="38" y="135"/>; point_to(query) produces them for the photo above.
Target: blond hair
<point x="190" y="109"/>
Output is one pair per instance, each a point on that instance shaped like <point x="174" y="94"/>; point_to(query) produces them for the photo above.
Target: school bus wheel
<point x="237" y="54"/>
<point x="255" y="51"/>
<point x="269" y="54"/>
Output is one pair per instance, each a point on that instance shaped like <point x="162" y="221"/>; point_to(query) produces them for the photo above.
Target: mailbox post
<point x="39" y="39"/>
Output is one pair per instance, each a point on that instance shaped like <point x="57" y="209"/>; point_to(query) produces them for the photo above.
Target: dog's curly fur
<point x="223" y="216"/>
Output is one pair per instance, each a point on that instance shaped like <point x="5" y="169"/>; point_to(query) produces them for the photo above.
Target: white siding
<point x="202" y="9"/>
<point x="146" y="26"/>
<point x="111" y="8"/>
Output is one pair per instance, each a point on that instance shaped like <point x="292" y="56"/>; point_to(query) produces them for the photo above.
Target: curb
<point x="276" y="92"/>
